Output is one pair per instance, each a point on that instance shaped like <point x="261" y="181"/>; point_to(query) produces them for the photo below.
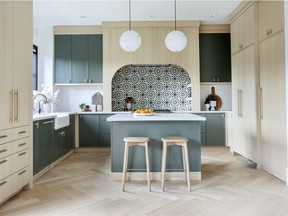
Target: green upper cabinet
<point x="78" y="59"/>
<point x="215" y="57"/>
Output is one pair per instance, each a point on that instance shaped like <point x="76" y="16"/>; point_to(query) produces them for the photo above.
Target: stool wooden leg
<point x="163" y="168"/>
<point x="187" y="167"/>
<point x="125" y="164"/>
<point x="184" y="163"/>
<point x="147" y="165"/>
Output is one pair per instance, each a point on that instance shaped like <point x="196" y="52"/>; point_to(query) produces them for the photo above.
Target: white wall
<point x="71" y="96"/>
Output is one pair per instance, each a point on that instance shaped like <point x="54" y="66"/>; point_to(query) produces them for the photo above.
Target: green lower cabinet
<point x="71" y="137"/>
<point x="213" y="129"/>
<point x="94" y="130"/>
<point x="60" y="143"/>
<point x="42" y="144"/>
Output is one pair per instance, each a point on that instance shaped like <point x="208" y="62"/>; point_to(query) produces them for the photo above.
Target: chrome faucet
<point x="44" y="97"/>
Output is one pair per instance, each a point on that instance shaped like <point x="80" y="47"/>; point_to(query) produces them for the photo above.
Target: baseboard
<point x="55" y="163"/>
<point x="40" y="173"/>
<point x="156" y="176"/>
<point x="95" y="149"/>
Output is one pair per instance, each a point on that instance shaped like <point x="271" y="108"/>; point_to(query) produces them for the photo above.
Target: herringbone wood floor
<point x="82" y="185"/>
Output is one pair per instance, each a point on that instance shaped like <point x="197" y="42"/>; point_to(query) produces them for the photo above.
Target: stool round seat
<point x="178" y="141"/>
<point x="135" y="141"/>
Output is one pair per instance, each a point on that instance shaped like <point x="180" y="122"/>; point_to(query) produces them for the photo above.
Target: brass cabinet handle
<point x="17" y="106"/>
<point x="22" y="132"/>
<point x="260" y="95"/>
<point x="13" y="107"/>
<point x="23" y="153"/>
<point x="2" y="183"/>
<point x="47" y="122"/>
<point x="22" y="172"/>
<point x="4" y="150"/>
<point x="4" y="136"/>
<point x="22" y="144"/>
<point x="4" y="161"/>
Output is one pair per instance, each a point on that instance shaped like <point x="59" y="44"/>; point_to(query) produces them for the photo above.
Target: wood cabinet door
<point x="62" y="47"/>
<point x="271" y="18"/>
<point x="243" y="30"/>
<point x="273" y="106"/>
<point x="22" y="61"/>
<point x="95" y="58"/>
<point x="215" y="130"/>
<point x="79" y="58"/>
<point x="6" y="64"/>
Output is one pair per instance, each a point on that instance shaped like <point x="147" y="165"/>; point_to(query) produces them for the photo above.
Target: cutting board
<point x="218" y="99"/>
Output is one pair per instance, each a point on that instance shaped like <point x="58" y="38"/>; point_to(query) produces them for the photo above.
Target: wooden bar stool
<point x="136" y="141"/>
<point x="180" y="141"/>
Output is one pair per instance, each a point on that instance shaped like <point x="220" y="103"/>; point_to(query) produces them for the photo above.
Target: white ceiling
<point x="64" y="12"/>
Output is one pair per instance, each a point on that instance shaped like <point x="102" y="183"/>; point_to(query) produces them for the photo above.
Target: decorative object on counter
<point x="129" y="101"/>
<point x="175" y="40"/>
<point x="99" y="108"/>
<point x="144" y="112"/>
<point x="213" y="100"/>
<point x="130" y="40"/>
<point x="50" y="98"/>
<point x="82" y="106"/>
<point x="97" y="100"/>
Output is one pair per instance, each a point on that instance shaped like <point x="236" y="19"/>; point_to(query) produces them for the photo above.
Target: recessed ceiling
<point x="93" y="12"/>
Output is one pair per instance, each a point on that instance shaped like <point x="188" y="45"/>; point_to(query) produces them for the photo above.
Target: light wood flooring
<point x="82" y="185"/>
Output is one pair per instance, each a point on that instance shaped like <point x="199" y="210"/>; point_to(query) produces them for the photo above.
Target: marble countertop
<point x="157" y="117"/>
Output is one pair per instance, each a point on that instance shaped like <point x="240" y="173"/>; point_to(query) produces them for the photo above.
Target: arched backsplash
<point x="152" y="86"/>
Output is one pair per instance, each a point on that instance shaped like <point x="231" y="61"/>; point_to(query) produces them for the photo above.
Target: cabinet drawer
<point x="20" y="160"/>
<point x="5" y="167"/>
<point x="20" y="179"/>
<point x="5" y="188"/>
<point x="5" y="136"/>
<point x="21" y="132"/>
<point x="5" y="149"/>
<point x="20" y="144"/>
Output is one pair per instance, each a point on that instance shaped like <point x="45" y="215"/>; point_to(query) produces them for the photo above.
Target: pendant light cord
<point x="129" y="15"/>
<point x="175" y="13"/>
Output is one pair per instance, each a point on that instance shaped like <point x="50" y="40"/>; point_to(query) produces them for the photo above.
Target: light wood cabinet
<point x="244" y="103"/>
<point x="15" y="95"/>
<point x="271" y="18"/>
<point x="15" y="63"/>
<point x="243" y="30"/>
<point x="273" y="106"/>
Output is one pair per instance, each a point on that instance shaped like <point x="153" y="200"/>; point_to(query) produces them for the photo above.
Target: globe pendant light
<point x="175" y="40"/>
<point x="130" y="40"/>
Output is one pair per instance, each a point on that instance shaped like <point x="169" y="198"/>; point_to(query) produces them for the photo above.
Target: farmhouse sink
<point x="61" y="120"/>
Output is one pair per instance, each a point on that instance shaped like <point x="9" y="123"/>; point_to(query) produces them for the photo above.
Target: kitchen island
<point x="155" y="127"/>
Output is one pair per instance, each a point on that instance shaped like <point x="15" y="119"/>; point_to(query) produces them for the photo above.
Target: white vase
<point x="47" y="108"/>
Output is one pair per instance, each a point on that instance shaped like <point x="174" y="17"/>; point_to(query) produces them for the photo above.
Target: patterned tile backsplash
<point x="152" y="86"/>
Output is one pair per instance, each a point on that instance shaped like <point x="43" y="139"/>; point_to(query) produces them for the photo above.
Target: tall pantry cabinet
<point x="264" y="141"/>
<point x="272" y="88"/>
<point x="243" y="37"/>
<point x="15" y="96"/>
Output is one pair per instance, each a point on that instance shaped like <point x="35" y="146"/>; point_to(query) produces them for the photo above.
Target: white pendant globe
<point x="175" y="41"/>
<point x="130" y="41"/>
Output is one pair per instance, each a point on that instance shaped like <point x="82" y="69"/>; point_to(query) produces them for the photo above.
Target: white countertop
<point x="43" y="116"/>
<point x="157" y="117"/>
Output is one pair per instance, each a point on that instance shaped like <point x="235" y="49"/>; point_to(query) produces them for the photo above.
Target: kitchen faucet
<point x="44" y="97"/>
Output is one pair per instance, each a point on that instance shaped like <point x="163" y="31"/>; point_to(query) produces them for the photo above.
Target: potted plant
<point x="82" y="106"/>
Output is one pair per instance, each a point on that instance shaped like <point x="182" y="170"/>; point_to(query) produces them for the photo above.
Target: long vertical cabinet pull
<point x="241" y="102"/>
<point x="17" y="106"/>
<point x="260" y="100"/>
<point x="12" y="107"/>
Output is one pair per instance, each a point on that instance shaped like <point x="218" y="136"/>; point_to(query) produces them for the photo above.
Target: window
<point x="35" y="67"/>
